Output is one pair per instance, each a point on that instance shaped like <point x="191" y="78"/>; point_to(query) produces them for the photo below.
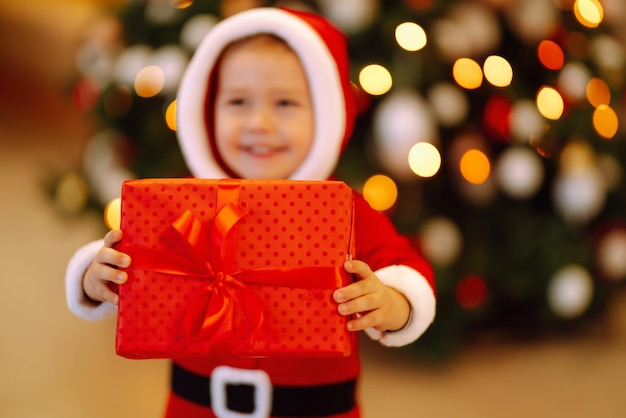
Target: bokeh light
<point x="570" y="291"/>
<point x="550" y="55"/>
<point x="605" y="121"/>
<point x="450" y="104"/>
<point x="375" y="79"/>
<point x="525" y="121"/>
<point x="573" y="80"/>
<point x="498" y="71"/>
<point x="424" y="159"/>
<point x="550" y="103"/>
<point x="149" y="81"/>
<point x="170" y="115"/>
<point x="610" y="253"/>
<point x="496" y="118"/>
<point x="410" y="36"/>
<point x="519" y="172"/>
<point x="467" y="73"/>
<point x="471" y="292"/>
<point x="475" y="166"/>
<point x="113" y="214"/>
<point x="380" y="192"/>
<point x="598" y="92"/>
<point x="182" y="4"/>
<point x="441" y="240"/>
<point x="589" y="13"/>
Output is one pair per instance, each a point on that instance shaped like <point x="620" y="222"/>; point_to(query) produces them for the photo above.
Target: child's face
<point x="264" y="123"/>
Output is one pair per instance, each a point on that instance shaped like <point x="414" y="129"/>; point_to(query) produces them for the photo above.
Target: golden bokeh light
<point x="170" y="115"/>
<point x="149" y="81"/>
<point x="598" y="92"/>
<point x="467" y="73"/>
<point x="375" y="79"/>
<point x="380" y="192"/>
<point x="410" y="36"/>
<point x="498" y="71"/>
<point x="475" y="166"/>
<point x="424" y="159"/>
<point x="182" y="4"/>
<point x="589" y="13"/>
<point x="605" y="121"/>
<point x="113" y="214"/>
<point x="550" y="103"/>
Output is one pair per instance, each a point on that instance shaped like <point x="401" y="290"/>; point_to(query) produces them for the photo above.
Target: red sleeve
<point x="379" y="244"/>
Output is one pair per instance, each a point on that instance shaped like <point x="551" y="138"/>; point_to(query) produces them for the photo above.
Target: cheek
<point x="222" y="134"/>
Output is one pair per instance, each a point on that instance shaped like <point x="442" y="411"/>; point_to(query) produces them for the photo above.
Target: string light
<point x="467" y="73"/>
<point x="498" y="71"/>
<point x="471" y="292"/>
<point x="424" y="159"/>
<point x="170" y="115"/>
<point x="113" y="214"/>
<point x="375" y="79"/>
<point x="550" y="103"/>
<point x="598" y="92"/>
<point x="475" y="166"/>
<point x="410" y="36"/>
<point x="589" y="12"/>
<point x="605" y="121"/>
<point x="149" y="81"/>
<point x="380" y="192"/>
<point x="550" y="55"/>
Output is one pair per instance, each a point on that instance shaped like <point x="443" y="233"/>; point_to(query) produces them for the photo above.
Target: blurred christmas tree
<point x="494" y="122"/>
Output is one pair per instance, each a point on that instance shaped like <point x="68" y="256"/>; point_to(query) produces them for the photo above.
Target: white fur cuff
<point x="421" y="297"/>
<point x="76" y="299"/>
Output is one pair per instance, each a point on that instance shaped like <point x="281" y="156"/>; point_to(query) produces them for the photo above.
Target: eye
<point x="236" y="101"/>
<point x="286" y="103"/>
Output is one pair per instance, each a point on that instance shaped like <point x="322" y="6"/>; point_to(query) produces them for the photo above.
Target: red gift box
<point x="234" y="267"/>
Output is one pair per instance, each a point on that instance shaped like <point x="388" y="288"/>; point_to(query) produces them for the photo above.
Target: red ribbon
<point x="211" y="311"/>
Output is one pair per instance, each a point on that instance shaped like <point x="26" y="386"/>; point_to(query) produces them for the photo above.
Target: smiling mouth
<point x="262" y="150"/>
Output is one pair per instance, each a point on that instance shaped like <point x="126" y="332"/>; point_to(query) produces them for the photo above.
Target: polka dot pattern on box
<point x="287" y="224"/>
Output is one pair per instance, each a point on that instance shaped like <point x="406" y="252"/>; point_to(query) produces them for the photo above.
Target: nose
<point x="261" y="118"/>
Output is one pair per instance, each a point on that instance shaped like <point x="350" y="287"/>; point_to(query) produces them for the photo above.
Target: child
<point x="267" y="96"/>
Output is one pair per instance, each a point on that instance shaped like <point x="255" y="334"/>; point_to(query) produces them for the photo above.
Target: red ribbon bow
<point x="213" y="308"/>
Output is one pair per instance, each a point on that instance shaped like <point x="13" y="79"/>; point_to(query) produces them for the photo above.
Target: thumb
<point x="359" y="268"/>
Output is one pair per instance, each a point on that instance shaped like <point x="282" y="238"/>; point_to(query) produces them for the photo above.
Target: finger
<point x="113" y="257"/>
<point x="106" y="294"/>
<point x="359" y="268"/>
<point x="355" y="290"/>
<point x="112" y="237"/>
<point x="105" y="273"/>
<point x="360" y="305"/>
<point x="365" y="321"/>
<point x="101" y="291"/>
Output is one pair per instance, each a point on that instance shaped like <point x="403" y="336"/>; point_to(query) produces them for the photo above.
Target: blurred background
<point x="491" y="131"/>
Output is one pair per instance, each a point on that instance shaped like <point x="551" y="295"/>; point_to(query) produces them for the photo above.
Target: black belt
<point x="292" y="401"/>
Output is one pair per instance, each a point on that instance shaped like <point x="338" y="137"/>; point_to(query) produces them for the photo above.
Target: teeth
<point x="260" y="149"/>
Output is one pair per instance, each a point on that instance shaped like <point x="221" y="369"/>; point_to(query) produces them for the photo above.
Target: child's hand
<point x="380" y="307"/>
<point x="102" y="275"/>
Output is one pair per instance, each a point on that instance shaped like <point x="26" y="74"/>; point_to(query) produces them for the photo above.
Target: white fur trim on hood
<point x="324" y="83"/>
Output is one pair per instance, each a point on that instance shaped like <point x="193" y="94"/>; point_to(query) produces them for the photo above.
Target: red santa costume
<point x="281" y="387"/>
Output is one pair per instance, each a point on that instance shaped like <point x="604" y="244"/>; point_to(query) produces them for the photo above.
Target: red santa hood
<point x="322" y="50"/>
